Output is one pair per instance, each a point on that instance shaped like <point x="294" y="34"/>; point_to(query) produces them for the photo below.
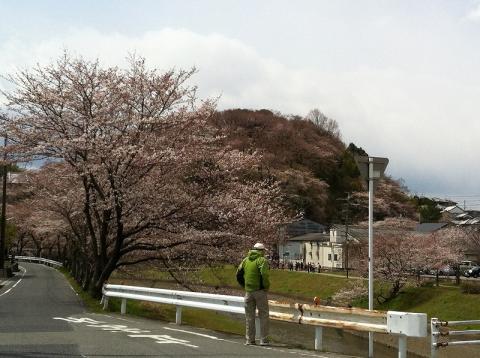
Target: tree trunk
<point x="102" y="274"/>
<point x="87" y="278"/>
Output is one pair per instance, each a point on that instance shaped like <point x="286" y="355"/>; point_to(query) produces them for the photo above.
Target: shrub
<point x="470" y="287"/>
<point x="355" y="290"/>
<point x="427" y="283"/>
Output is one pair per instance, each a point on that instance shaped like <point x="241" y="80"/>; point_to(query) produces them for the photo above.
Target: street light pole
<point x="347" y="209"/>
<point x="370" y="249"/>
<point x="371" y="169"/>
<point x="2" y="218"/>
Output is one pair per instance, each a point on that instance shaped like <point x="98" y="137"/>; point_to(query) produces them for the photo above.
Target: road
<point x="42" y="316"/>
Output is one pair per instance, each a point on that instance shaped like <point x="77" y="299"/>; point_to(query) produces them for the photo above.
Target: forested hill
<point x="315" y="167"/>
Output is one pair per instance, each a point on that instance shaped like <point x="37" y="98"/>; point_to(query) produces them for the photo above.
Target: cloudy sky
<point x="401" y="77"/>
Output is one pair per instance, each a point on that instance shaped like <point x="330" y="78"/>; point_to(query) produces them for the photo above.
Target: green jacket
<point x="256" y="271"/>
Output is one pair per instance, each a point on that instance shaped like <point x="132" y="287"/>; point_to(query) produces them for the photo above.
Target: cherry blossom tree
<point x="154" y="179"/>
<point x="443" y="247"/>
<point x="470" y="240"/>
<point x="398" y="254"/>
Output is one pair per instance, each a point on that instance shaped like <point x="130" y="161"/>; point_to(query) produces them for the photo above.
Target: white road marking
<point x="118" y="328"/>
<point x="75" y="292"/>
<point x="113" y="317"/>
<point x="194" y="333"/>
<point x="79" y="320"/>
<point x="164" y="339"/>
<point x="161" y="339"/>
<point x="231" y="341"/>
<point x="16" y="283"/>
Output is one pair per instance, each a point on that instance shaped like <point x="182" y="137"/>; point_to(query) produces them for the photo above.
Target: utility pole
<point x="346" y="232"/>
<point x="347" y="201"/>
<point x="4" y="204"/>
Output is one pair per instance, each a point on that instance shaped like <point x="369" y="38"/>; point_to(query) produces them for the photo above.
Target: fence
<point x="39" y="260"/>
<point x="401" y="324"/>
<point x="437" y="332"/>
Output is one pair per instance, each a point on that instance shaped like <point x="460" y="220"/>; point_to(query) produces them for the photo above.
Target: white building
<point x="323" y="248"/>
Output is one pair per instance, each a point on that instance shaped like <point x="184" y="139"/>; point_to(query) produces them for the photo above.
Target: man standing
<point x="253" y="275"/>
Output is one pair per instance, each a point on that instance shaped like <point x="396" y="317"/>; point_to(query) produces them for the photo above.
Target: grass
<point x="91" y="303"/>
<point x="446" y="303"/>
<point x="306" y="285"/>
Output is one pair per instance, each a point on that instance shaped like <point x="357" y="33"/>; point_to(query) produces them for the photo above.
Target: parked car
<point x="446" y="270"/>
<point x="467" y="265"/>
<point x="473" y="272"/>
<point x="429" y="271"/>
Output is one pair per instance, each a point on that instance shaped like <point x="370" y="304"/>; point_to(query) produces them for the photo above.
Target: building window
<point x="329" y="257"/>
<point x="335" y="257"/>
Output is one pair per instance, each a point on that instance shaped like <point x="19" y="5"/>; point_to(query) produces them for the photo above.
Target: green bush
<point x="470" y="287"/>
<point x="427" y="283"/>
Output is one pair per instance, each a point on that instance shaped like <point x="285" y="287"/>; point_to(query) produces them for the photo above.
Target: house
<point x="299" y="235"/>
<point x="443" y="203"/>
<point x="310" y="243"/>
<point x="330" y="250"/>
<point x="298" y="248"/>
<point x="451" y="212"/>
<point x="458" y="216"/>
<point x="16" y="178"/>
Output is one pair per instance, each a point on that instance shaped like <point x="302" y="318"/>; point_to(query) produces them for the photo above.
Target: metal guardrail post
<point x="435" y="332"/>
<point x="402" y="346"/>
<point x="123" y="308"/>
<point x="105" y="302"/>
<point x="318" y="338"/>
<point x="178" y="315"/>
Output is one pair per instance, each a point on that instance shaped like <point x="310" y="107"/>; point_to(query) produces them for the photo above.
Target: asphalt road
<point x="41" y="316"/>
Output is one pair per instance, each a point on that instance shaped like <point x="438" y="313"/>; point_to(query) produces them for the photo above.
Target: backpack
<point x="241" y="275"/>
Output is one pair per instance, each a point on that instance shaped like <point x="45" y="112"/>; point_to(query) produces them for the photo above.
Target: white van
<point x="466" y="265"/>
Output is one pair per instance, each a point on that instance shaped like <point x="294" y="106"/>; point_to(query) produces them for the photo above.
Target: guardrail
<point x="437" y="332"/>
<point x="402" y="324"/>
<point x="39" y="260"/>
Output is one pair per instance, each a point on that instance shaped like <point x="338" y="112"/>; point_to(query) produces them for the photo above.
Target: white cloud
<point x="424" y="123"/>
<point x="474" y="13"/>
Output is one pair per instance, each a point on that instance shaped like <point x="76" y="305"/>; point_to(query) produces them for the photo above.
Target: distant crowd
<point x="300" y="266"/>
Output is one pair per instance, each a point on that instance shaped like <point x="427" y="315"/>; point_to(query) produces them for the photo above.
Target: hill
<point x="315" y="167"/>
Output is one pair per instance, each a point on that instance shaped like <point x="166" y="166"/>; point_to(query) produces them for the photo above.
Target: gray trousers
<point x="257" y="299"/>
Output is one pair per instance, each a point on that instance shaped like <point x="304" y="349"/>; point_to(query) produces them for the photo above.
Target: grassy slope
<point x="445" y="302"/>
<point x="302" y="285"/>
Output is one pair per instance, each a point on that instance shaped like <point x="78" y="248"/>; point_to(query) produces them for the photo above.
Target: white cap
<point x="259" y="246"/>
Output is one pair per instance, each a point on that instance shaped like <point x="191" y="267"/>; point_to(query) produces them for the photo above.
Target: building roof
<point x="16" y="178"/>
<point x="453" y="208"/>
<point x="314" y="236"/>
<point x="443" y="203"/>
<point x="360" y="232"/>
<point x="429" y="227"/>
<point x="304" y="226"/>
<point x="467" y="222"/>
